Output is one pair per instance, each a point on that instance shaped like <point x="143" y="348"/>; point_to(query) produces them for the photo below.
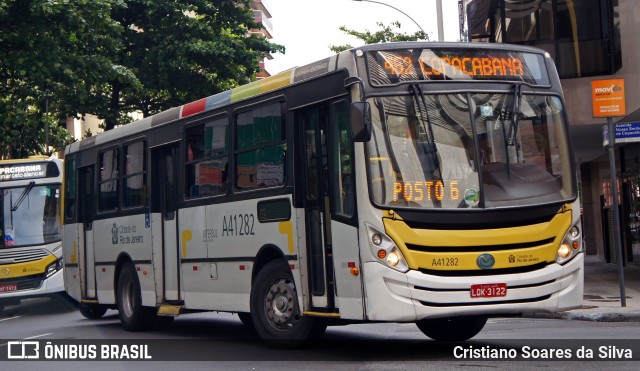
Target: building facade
<point x="262" y="16"/>
<point x="589" y="40"/>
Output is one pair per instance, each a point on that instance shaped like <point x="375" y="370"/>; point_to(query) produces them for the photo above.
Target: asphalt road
<point x="221" y="341"/>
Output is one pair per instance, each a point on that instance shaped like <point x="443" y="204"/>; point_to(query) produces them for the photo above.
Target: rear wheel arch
<point x="122" y="259"/>
<point x="265" y="255"/>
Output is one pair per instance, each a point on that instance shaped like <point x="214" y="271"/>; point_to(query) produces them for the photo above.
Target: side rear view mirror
<point x="361" y="121"/>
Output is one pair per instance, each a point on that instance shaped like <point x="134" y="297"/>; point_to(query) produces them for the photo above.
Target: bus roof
<point x="281" y="80"/>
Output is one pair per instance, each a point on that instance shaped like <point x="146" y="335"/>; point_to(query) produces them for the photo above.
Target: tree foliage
<point x="50" y="49"/>
<point x="182" y="51"/>
<point x="385" y="34"/>
<point x="113" y="57"/>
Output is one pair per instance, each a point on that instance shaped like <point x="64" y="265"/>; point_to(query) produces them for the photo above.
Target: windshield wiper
<point x="23" y="195"/>
<point x="510" y="140"/>
<point x="515" y="113"/>
<point x="430" y="146"/>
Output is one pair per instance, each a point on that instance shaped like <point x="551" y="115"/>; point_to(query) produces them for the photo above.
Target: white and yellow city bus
<point x="407" y="182"/>
<point x="31" y="242"/>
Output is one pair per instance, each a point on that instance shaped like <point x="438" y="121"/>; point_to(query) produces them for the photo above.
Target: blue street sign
<point x="625" y="133"/>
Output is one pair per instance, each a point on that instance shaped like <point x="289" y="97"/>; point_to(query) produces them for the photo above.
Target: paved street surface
<point x="220" y="341"/>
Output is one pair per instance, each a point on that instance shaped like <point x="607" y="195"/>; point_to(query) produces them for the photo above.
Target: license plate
<point x="8" y="288"/>
<point x="489" y="290"/>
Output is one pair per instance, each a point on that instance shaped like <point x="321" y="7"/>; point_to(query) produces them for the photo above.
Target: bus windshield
<point x="452" y="151"/>
<point x="30" y="215"/>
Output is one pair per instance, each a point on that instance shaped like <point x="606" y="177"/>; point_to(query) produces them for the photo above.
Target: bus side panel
<point x="193" y="255"/>
<point x="303" y="261"/>
<point x="132" y="236"/>
<point x="89" y="265"/>
<point x="157" y="248"/>
<point x="71" y="253"/>
<point x="232" y="236"/>
<point x="348" y="286"/>
<point x="165" y="258"/>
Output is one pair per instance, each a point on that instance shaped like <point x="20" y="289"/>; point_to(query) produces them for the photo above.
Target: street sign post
<point x="609" y="101"/>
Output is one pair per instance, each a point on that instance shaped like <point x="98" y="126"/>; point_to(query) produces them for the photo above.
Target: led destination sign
<point x="27" y="171"/>
<point x="426" y="191"/>
<point x="391" y="67"/>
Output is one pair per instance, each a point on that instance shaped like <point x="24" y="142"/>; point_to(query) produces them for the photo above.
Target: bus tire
<point x="275" y="311"/>
<point x="92" y="311"/>
<point x="452" y="329"/>
<point x="133" y="316"/>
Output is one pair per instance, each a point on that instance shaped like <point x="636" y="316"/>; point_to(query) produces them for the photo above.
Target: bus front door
<point x="328" y="197"/>
<point x="315" y="194"/>
<point x="165" y="204"/>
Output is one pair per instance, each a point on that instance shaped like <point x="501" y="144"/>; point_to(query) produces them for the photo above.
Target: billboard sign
<point x="608" y="98"/>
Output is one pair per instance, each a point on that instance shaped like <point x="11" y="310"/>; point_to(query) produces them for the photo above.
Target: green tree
<point x="384" y="35"/>
<point x="113" y="57"/>
<point x="50" y="48"/>
<point x="180" y="52"/>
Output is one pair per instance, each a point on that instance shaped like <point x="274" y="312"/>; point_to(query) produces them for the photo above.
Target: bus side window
<point x="342" y="164"/>
<point x="108" y="181"/>
<point x="70" y="190"/>
<point x="207" y="161"/>
<point x="134" y="184"/>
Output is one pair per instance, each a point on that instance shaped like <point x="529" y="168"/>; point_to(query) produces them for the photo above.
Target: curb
<point x="594" y="316"/>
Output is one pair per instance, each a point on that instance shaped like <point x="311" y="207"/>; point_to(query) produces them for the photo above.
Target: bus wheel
<point x="452" y="329"/>
<point x="92" y="311"/>
<point x="275" y="310"/>
<point x="133" y="316"/>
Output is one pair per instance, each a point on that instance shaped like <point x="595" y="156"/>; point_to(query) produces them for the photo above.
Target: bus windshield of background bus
<point x="430" y="153"/>
<point x="30" y="215"/>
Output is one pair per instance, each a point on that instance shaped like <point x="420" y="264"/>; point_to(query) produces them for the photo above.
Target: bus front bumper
<point x="48" y="286"/>
<point x="412" y="296"/>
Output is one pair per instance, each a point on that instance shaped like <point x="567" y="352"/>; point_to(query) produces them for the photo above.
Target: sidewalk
<point x="602" y="294"/>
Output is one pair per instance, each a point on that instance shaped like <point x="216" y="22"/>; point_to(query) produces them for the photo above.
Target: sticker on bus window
<point x="472" y="197"/>
<point x="486" y="111"/>
<point x="8" y="236"/>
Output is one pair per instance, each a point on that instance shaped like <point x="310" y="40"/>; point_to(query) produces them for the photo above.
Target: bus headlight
<point x="394" y="258"/>
<point x="54" y="267"/>
<point x="571" y="245"/>
<point x="385" y="250"/>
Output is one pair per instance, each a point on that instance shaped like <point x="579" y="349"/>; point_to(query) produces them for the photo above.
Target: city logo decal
<point x="114" y="234"/>
<point x="486" y="261"/>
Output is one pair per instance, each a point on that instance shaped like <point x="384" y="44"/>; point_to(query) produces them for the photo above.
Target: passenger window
<point x="342" y="162"/>
<point x="208" y="158"/>
<point x="70" y="189"/>
<point x="261" y="147"/>
<point x="134" y="181"/>
<point x="108" y="182"/>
